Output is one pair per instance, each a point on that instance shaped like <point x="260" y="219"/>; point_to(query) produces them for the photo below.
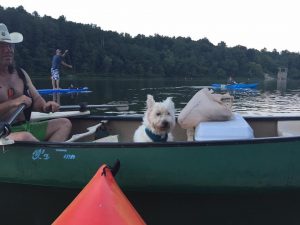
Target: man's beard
<point x="11" y="68"/>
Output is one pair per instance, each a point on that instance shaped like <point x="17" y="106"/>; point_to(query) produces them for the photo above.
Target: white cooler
<point x="236" y="128"/>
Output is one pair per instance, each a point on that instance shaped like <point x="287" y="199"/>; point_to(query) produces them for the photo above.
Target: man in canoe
<point x="16" y="88"/>
<point x="57" y="60"/>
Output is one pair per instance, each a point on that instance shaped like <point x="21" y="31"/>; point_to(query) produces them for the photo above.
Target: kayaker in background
<point x="16" y="88"/>
<point x="57" y="60"/>
<point x="231" y="80"/>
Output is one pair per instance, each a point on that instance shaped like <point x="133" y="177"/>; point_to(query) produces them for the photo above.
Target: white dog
<point x="158" y="121"/>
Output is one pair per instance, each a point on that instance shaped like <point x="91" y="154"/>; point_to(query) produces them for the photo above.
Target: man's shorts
<point x="37" y="129"/>
<point x="54" y="74"/>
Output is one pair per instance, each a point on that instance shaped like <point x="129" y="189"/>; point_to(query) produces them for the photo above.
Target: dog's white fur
<point x="159" y="118"/>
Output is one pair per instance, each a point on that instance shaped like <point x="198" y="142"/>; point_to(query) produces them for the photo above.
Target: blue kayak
<point x="66" y="90"/>
<point x="233" y="86"/>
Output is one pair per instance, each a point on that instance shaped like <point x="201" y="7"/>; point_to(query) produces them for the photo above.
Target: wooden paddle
<point x="5" y="125"/>
<point x="84" y="106"/>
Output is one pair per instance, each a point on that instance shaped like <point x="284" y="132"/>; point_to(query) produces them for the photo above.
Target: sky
<point x="258" y="24"/>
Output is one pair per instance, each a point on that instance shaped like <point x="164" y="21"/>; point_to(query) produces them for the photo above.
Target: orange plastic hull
<point x="100" y="202"/>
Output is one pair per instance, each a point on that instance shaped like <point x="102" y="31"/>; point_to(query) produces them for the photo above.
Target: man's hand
<point x="51" y="106"/>
<point x="66" y="51"/>
<point x="23" y="99"/>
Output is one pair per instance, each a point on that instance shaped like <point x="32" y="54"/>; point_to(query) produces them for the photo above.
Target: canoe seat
<point x="288" y="128"/>
<point x="90" y="130"/>
<point x="236" y="128"/>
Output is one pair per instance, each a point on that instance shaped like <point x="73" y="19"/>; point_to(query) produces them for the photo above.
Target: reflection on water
<point x="42" y="205"/>
<point x="281" y="85"/>
<point x="56" y="97"/>
<point x="270" y="96"/>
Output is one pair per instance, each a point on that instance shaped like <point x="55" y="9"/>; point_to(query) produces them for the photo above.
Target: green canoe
<point x="270" y="160"/>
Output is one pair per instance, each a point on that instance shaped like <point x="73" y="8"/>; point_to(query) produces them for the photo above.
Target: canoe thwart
<point x="83" y="106"/>
<point x="37" y="116"/>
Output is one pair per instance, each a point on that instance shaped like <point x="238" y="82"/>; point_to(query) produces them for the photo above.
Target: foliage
<point x="95" y="51"/>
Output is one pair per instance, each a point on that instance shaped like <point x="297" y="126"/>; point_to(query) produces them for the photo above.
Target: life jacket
<point x="27" y="111"/>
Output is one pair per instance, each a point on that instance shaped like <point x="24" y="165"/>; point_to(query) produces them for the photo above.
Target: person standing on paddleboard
<point x="57" y="60"/>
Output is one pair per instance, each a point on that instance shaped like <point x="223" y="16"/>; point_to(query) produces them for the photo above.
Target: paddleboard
<point x="64" y="90"/>
<point x="234" y="86"/>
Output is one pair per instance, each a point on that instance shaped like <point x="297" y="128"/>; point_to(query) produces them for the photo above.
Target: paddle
<point x="84" y="106"/>
<point x="5" y="125"/>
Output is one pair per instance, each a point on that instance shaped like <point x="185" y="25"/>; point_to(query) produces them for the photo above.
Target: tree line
<point x="97" y="52"/>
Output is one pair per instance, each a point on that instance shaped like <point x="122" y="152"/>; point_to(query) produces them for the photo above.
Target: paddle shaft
<point x="85" y="107"/>
<point x="12" y="118"/>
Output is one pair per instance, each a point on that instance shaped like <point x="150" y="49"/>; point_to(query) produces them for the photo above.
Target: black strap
<point x="23" y="78"/>
<point x="27" y="111"/>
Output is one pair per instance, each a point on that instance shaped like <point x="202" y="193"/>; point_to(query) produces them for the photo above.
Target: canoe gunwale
<point x="272" y="139"/>
<point x="140" y="118"/>
<point x="157" y="145"/>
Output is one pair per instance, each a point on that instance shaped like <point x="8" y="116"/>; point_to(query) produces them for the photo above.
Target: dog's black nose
<point x="165" y="123"/>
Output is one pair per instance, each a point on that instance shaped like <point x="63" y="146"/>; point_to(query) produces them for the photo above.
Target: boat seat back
<point x="90" y="130"/>
<point x="110" y="138"/>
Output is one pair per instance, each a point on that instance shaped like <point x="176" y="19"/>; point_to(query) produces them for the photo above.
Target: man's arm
<point x="63" y="62"/>
<point x="39" y="103"/>
<point x="66" y="65"/>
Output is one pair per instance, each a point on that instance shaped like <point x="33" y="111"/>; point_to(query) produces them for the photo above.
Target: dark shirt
<point x="56" y="61"/>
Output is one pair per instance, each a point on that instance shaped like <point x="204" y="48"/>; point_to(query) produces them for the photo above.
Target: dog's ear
<point x="169" y="102"/>
<point x="150" y="101"/>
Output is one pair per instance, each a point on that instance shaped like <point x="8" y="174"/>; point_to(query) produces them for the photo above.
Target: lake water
<point x="269" y="97"/>
<point x="36" y="206"/>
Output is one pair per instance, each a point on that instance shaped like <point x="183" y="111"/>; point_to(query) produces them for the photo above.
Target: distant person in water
<point x="231" y="80"/>
<point x="57" y="60"/>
